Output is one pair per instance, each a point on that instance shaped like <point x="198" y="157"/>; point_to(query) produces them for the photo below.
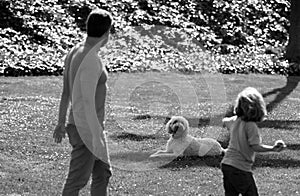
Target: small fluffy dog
<point x="183" y="144"/>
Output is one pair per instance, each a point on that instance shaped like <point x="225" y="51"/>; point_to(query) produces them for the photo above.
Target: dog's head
<point x="177" y="126"/>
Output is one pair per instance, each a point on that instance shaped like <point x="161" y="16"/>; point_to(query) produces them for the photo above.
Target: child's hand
<point x="279" y="146"/>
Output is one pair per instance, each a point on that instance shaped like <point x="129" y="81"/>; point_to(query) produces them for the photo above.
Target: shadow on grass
<point x="141" y="159"/>
<point x="132" y="156"/>
<point x="261" y="161"/>
<point x="217" y="121"/>
<point x="137" y="160"/>
<point x="283" y="92"/>
<point x="276" y="161"/>
<point x="293" y="146"/>
<point x="132" y="136"/>
<point x="193" y="161"/>
<point x="280" y="124"/>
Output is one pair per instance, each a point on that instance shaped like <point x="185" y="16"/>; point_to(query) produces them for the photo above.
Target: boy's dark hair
<point x="250" y="105"/>
<point x="99" y="21"/>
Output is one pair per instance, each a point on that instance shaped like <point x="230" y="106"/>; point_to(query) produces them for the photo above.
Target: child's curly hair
<point x="250" y="105"/>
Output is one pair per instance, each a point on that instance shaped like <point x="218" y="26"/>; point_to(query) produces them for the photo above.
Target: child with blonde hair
<point x="245" y="141"/>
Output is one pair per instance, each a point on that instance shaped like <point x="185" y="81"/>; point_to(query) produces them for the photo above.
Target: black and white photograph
<point x="149" y="98"/>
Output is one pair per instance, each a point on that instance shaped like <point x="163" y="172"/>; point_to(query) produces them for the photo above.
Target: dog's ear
<point x="167" y="120"/>
<point x="186" y="124"/>
<point x="168" y="125"/>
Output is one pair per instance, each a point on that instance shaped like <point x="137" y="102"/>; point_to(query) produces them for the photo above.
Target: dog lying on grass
<point x="183" y="144"/>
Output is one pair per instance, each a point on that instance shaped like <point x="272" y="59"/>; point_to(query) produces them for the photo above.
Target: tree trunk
<point x="293" y="48"/>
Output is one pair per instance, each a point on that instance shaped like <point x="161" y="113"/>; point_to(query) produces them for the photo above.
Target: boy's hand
<point x="59" y="133"/>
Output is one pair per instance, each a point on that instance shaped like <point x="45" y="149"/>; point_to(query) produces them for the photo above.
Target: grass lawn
<point x="137" y="105"/>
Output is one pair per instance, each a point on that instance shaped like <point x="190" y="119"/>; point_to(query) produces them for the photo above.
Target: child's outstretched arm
<point x="277" y="147"/>
<point x="262" y="148"/>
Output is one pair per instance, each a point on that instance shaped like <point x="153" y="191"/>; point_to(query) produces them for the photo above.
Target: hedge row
<point x="228" y="36"/>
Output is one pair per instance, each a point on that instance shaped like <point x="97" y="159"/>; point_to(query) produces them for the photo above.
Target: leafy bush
<point x="229" y="36"/>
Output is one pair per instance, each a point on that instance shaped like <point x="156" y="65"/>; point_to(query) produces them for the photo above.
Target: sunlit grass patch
<point x="32" y="164"/>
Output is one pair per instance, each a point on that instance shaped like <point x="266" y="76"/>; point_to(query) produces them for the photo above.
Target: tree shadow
<point x="276" y="124"/>
<point x="193" y="161"/>
<point x="276" y="161"/>
<point x="279" y="124"/>
<point x="262" y="160"/>
<point x="142" y="158"/>
<point x="216" y="120"/>
<point x="293" y="146"/>
<point x="283" y="92"/>
<point x="132" y="136"/>
<point x="134" y="156"/>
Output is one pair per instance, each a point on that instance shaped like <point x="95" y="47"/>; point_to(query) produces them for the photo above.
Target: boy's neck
<point x="92" y="41"/>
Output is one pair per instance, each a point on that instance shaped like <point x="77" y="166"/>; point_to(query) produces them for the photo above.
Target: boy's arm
<point x="59" y="131"/>
<point x="64" y="101"/>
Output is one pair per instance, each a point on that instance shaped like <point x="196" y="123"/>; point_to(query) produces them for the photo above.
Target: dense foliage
<point x="229" y="36"/>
